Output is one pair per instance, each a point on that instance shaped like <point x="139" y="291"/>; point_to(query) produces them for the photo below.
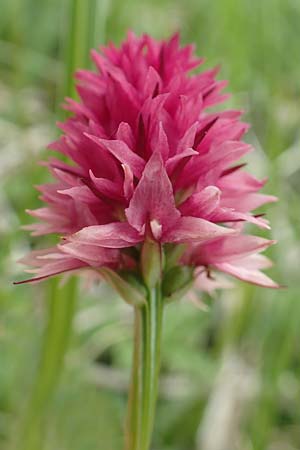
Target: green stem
<point x="145" y="372"/>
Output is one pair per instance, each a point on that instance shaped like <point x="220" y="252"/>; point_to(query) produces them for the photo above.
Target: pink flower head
<point x="148" y="161"/>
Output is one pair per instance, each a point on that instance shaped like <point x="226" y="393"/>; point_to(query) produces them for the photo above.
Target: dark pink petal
<point x="179" y="160"/>
<point x="223" y="130"/>
<point x="123" y="153"/>
<point x="203" y="203"/>
<point x="79" y="108"/>
<point x="124" y="133"/>
<point x="54" y="163"/>
<point x="152" y="82"/>
<point x="188" y="139"/>
<point x="107" y="187"/>
<point x="66" y="177"/>
<point x="206" y="169"/>
<point x="213" y="97"/>
<point x="160" y="142"/>
<point x="153" y="197"/>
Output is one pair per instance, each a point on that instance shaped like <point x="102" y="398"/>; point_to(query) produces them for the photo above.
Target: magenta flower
<point x="150" y="162"/>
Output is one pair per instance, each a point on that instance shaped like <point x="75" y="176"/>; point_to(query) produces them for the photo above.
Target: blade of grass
<point x="83" y="14"/>
<point x="61" y="306"/>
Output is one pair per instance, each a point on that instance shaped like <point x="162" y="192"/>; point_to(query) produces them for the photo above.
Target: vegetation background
<point x="231" y="373"/>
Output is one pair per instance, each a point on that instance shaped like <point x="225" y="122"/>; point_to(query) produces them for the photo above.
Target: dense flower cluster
<point x="150" y="162"/>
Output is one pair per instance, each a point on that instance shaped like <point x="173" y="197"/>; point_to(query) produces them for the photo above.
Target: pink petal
<point x="222" y="131"/>
<point x="123" y="153"/>
<point x="188" y="139"/>
<point x="230" y="215"/>
<point x="245" y="274"/>
<point x="153" y="197"/>
<point x="175" y="161"/>
<point x="206" y="169"/>
<point x="107" y="187"/>
<point x="204" y="283"/>
<point x="90" y="254"/>
<point x="50" y="264"/>
<point x="112" y="235"/>
<point x="124" y="133"/>
<point x="160" y="142"/>
<point x="151" y="82"/>
<point x="194" y="229"/>
<point x="80" y="193"/>
<point x="203" y="203"/>
<point x="231" y="248"/>
<point x="128" y="186"/>
<point x="241" y="181"/>
<point x="246" y="202"/>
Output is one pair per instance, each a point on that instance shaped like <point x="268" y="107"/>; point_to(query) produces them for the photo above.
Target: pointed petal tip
<point x="33" y="280"/>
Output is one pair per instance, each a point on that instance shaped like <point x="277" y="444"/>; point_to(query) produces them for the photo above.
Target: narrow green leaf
<point x="127" y="291"/>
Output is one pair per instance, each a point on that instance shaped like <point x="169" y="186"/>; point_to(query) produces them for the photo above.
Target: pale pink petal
<point x="112" y="235"/>
<point x="231" y="248"/>
<point x="80" y="193"/>
<point x="48" y="265"/>
<point x="90" y="254"/>
<point x="194" y="229"/>
<point x="241" y="181"/>
<point x="246" y="274"/>
<point x="246" y="202"/>
<point x="128" y="186"/>
<point x="212" y="282"/>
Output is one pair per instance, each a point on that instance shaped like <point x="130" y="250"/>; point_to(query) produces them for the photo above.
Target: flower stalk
<point x="145" y="371"/>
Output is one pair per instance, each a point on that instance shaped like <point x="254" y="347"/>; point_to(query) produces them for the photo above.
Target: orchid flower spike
<point x="153" y="182"/>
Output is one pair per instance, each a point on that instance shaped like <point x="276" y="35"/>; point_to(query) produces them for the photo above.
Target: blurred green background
<point x="231" y="373"/>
